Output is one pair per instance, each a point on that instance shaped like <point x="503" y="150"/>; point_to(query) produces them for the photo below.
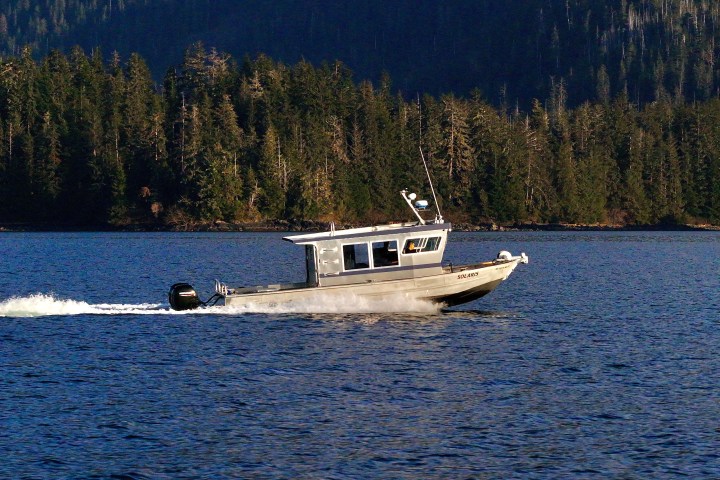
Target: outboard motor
<point x="182" y="296"/>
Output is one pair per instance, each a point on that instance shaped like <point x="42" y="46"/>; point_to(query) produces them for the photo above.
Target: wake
<point x="39" y="305"/>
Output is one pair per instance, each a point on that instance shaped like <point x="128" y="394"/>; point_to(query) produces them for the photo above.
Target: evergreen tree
<point x="272" y="176"/>
<point x="89" y="141"/>
<point x="47" y="167"/>
<point x="227" y="150"/>
<point x="456" y="152"/>
<point x="634" y="197"/>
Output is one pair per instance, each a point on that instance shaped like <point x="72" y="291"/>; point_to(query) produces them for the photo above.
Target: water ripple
<point x="597" y="361"/>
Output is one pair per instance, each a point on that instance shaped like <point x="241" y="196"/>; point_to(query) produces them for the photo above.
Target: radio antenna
<point x="439" y="218"/>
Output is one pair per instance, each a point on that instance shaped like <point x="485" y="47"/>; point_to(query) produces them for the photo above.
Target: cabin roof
<point x="374" y="231"/>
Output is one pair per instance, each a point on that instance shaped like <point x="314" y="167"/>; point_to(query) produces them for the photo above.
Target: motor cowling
<point x="182" y="296"/>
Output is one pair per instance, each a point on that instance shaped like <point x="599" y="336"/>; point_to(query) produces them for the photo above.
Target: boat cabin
<point x="383" y="252"/>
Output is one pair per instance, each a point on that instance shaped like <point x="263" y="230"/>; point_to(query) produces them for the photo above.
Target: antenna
<point x="409" y="199"/>
<point x="439" y="217"/>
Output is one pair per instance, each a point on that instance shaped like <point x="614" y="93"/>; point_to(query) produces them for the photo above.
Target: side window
<point x="417" y="245"/>
<point x="356" y="256"/>
<point x="385" y="254"/>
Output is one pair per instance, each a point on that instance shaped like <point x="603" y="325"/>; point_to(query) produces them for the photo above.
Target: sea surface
<point x="598" y="359"/>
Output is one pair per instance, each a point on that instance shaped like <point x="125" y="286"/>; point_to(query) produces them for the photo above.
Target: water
<point x="597" y="360"/>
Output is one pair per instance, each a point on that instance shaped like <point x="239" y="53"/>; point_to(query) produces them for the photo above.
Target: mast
<point x="438" y="217"/>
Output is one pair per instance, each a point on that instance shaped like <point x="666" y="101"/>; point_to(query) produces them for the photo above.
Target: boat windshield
<point x="418" y="245"/>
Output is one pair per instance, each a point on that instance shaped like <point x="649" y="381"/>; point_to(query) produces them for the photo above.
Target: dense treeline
<point x="88" y="141"/>
<point x="513" y="51"/>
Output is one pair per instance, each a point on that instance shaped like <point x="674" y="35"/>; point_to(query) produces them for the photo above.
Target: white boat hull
<point x="452" y="287"/>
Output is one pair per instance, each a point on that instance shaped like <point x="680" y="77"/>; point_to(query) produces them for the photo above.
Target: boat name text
<point x="468" y="275"/>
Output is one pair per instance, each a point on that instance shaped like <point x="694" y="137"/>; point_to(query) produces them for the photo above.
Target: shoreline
<point x="565" y="227"/>
<point x="314" y="226"/>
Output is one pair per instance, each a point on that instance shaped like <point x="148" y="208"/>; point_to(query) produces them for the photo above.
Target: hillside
<point x="511" y="51"/>
<point x="89" y="142"/>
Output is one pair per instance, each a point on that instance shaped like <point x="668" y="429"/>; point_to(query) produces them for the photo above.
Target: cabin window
<point x="417" y="245"/>
<point x="356" y="256"/>
<point x="385" y="254"/>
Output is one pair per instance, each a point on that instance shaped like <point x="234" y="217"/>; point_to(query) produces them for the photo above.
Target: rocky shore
<point x="566" y="227"/>
<point x="314" y="226"/>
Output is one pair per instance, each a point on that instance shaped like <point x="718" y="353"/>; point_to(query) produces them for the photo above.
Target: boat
<point x="398" y="260"/>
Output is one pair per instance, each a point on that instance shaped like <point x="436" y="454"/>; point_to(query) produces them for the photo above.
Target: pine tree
<point x="47" y="167"/>
<point x="272" y="176"/>
<point x="228" y="149"/>
<point x="457" y="154"/>
<point x="634" y="196"/>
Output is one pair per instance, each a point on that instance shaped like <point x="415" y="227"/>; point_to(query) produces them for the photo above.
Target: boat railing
<point x="267" y="288"/>
<point x="461" y="268"/>
<point x="503" y="257"/>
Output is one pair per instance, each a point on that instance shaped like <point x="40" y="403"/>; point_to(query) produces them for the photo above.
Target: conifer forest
<point x="625" y="130"/>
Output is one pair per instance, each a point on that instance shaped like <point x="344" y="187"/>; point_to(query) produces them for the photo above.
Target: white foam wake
<point x="38" y="305"/>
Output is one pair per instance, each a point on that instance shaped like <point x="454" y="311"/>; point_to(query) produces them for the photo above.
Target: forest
<point x="513" y="51"/>
<point x="88" y="140"/>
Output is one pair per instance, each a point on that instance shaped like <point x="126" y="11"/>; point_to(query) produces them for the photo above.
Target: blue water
<point x="599" y="359"/>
